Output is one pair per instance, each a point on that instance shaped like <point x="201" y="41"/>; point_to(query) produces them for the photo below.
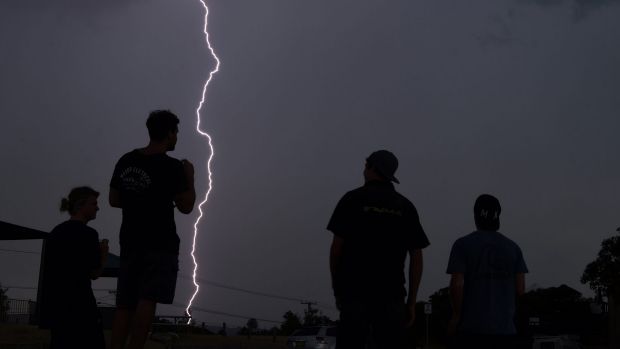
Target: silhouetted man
<point x="374" y="229"/>
<point x="488" y="274"/>
<point x="147" y="184"/>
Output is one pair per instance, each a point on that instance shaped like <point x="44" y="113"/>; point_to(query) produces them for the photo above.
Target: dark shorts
<point x="376" y="326"/>
<point x="148" y="276"/>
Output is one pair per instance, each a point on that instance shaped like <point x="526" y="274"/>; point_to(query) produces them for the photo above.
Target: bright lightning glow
<point x="211" y="153"/>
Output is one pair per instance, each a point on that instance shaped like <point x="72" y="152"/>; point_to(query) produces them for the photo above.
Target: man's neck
<point x="155" y="148"/>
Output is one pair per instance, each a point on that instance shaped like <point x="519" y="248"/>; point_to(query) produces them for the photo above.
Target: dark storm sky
<point x="518" y="98"/>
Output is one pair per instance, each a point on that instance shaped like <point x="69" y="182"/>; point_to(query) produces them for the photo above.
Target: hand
<point x="411" y="313"/>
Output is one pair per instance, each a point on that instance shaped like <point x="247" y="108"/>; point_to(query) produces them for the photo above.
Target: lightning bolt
<point x="211" y="153"/>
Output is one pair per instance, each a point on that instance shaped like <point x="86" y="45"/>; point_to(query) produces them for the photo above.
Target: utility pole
<point x="428" y="310"/>
<point x="308" y="316"/>
<point x="309" y="304"/>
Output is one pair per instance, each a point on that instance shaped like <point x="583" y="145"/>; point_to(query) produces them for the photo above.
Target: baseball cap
<point x="385" y="163"/>
<point x="486" y="212"/>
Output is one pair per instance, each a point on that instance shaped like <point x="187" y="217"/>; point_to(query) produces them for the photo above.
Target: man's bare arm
<point x="335" y="252"/>
<point x="114" y="198"/>
<point x="416" y="267"/>
<point x="185" y="201"/>
<point x="457" y="282"/>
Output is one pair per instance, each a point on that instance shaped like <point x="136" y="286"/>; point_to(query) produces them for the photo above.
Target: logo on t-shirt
<point x="135" y="179"/>
<point x="383" y="210"/>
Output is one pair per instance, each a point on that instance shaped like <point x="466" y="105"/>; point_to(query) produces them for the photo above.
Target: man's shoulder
<point x="467" y="239"/>
<point x="171" y="159"/>
<point x="136" y="154"/>
<point x="483" y="237"/>
<point x="404" y="199"/>
<point x="508" y="241"/>
<point x="356" y="191"/>
<point x="353" y="194"/>
<point x="130" y="155"/>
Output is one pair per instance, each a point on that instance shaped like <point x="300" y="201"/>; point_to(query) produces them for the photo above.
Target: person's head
<point x="81" y="203"/>
<point x="486" y="212"/>
<point x="381" y="165"/>
<point x="163" y="127"/>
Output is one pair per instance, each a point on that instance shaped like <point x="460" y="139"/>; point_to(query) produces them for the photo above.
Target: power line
<point x="256" y="293"/>
<point x="216" y="284"/>
<point x="239" y="289"/>
<point x="320" y="305"/>
<point x="211" y="283"/>
<point x="20" y="287"/>
<point x="34" y="288"/>
<point x="217" y="312"/>
<point x="19" y="251"/>
<point x="194" y="308"/>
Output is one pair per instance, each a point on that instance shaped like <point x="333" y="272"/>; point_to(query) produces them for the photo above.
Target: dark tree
<point x="442" y="311"/>
<point x="603" y="276"/>
<point x="560" y="310"/>
<point x="290" y="324"/>
<point x="314" y="317"/>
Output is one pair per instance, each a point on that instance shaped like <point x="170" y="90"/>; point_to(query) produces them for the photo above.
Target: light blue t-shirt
<point x="490" y="262"/>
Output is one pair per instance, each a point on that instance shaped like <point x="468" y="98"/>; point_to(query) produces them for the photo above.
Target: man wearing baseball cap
<point x="375" y="228"/>
<point x="488" y="274"/>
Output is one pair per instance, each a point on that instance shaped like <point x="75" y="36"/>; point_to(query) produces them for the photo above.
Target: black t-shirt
<point x="72" y="252"/>
<point x="378" y="226"/>
<point x="147" y="185"/>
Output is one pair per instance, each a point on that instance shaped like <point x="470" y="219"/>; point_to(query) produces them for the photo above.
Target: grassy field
<point x="30" y="337"/>
<point x="26" y="337"/>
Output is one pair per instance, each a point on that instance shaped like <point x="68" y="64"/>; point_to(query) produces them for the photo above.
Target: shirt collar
<point x="377" y="183"/>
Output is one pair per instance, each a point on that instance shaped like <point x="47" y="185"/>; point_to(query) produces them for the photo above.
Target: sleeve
<point x="520" y="266"/>
<point x="457" y="262"/>
<point x="115" y="182"/>
<point x="341" y="221"/>
<point x="419" y="238"/>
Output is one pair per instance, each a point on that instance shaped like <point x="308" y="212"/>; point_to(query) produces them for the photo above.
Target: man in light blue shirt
<point x="488" y="274"/>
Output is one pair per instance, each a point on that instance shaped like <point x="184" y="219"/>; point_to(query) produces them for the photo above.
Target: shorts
<point x="374" y="325"/>
<point x="147" y="276"/>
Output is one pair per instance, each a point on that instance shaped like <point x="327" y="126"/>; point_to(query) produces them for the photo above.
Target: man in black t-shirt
<point x="374" y="229"/>
<point x="147" y="184"/>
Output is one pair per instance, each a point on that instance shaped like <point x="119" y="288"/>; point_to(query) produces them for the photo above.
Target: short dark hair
<point x="76" y="199"/>
<point x="160" y="123"/>
<point x="486" y="212"/>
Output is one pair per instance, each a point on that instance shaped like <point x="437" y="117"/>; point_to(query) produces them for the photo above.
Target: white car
<point x="555" y="342"/>
<point x="316" y="337"/>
